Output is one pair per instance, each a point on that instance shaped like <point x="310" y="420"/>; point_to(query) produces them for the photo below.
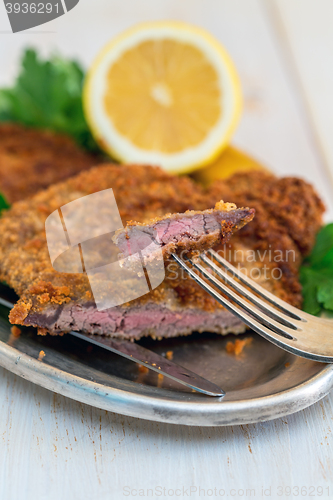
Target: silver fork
<point x="274" y="319"/>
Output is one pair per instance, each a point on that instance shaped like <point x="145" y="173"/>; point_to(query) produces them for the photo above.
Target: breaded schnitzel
<point x="288" y="216"/>
<point x="32" y="159"/>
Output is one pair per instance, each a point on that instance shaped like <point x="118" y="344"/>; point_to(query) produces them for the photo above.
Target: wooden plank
<point x="306" y="27"/>
<point x="52" y="447"/>
<point x="274" y="126"/>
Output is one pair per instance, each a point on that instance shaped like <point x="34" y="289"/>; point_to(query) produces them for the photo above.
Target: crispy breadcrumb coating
<point x="288" y="216"/>
<point x="33" y="159"/>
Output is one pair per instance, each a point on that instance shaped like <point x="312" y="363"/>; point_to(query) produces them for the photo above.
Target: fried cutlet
<point x="32" y="159"/>
<point x="288" y="216"/>
<point x="193" y="231"/>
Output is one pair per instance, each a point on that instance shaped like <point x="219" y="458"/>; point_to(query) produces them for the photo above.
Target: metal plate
<point x="262" y="383"/>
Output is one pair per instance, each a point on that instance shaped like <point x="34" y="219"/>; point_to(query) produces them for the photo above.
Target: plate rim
<point x="166" y="410"/>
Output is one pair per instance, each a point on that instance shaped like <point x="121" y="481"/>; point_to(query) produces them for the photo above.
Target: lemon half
<point x="163" y="93"/>
<point x="230" y="162"/>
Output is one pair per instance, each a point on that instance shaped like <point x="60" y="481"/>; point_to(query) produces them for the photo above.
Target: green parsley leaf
<point x="325" y="295"/>
<point x="316" y="274"/>
<point x="48" y="94"/>
<point x="310" y="280"/>
<point x="323" y="248"/>
<point x="3" y="203"/>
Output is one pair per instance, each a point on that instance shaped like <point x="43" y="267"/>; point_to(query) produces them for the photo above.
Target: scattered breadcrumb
<point x="15" y="331"/>
<point x="143" y="369"/>
<point x="41" y="356"/>
<point x="287" y="364"/>
<point x="237" y="347"/>
<point x="160" y="378"/>
<point x="169" y="355"/>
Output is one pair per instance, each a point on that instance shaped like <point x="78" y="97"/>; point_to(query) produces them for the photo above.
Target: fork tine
<point x="292" y="312"/>
<point x="246" y="306"/>
<point x="281" y="341"/>
<point x="276" y="314"/>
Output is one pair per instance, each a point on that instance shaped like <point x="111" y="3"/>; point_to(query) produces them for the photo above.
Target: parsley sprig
<point x="3" y="203"/>
<point x="316" y="274"/>
<point x="48" y="94"/>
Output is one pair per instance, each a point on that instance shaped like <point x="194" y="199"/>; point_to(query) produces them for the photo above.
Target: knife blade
<point x="153" y="361"/>
<point x="138" y="354"/>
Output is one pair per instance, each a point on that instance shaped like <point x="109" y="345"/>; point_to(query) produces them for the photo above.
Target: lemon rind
<point x="195" y="157"/>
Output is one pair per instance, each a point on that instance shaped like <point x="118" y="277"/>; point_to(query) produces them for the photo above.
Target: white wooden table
<point x="54" y="448"/>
